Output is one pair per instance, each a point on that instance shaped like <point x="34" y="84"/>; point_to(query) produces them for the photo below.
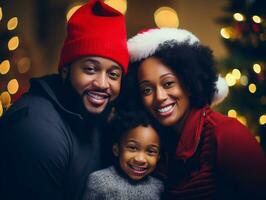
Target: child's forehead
<point x="142" y="133"/>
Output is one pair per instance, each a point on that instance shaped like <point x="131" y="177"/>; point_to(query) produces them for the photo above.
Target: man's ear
<point x="64" y="72"/>
<point x="115" y="149"/>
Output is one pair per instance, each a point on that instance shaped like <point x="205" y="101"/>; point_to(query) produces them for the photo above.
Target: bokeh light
<point x="257" y="68"/>
<point x="1" y="108"/>
<point x="230" y="80"/>
<point x="252" y="88"/>
<point x="256" y="19"/>
<point x="1" y="13"/>
<point x="6" y="99"/>
<point x="239" y="17"/>
<point x="12" y="86"/>
<point x="12" y="23"/>
<point x="73" y="8"/>
<point x="262" y="119"/>
<point x="24" y="65"/>
<point x="232" y="113"/>
<point x="166" y="17"/>
<point x="13" y="43"/>
<point x="4" y="67"/>
<point x="244" y="80"/>
<point x="236" y="73"/>
<point x="120" y="5"/>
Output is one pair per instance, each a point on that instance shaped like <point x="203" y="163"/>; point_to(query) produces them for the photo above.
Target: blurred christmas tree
<point x="13" y="62"/>
<point x="244" y="34"/>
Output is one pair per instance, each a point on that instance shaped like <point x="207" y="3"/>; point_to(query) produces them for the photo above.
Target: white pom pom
<point x="222" y="91"/>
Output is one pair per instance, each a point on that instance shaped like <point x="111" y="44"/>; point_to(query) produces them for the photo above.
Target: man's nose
<point x="101" y="81"/>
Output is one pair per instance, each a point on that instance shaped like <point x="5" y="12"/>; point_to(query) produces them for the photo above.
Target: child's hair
<point x="124" y="121"/>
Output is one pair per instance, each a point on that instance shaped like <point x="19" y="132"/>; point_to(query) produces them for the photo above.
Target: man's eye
<point x="89" y="69"/>
<point x="153" y="152"/>
<point x="114" y="75"/>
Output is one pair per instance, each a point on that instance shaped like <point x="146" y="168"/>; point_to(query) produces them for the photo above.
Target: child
<point x="137" y="149"/>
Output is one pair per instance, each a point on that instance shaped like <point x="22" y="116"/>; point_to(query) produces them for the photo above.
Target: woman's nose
<point x="161" y="94"/>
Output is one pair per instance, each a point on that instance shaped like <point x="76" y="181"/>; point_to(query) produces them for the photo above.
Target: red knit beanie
<point x="96" y="29"/>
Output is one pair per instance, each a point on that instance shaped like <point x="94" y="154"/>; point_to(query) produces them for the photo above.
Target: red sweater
<point x="216" y="158"/>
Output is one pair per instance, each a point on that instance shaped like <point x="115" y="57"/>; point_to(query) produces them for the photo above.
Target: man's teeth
<point x="96" y="96"/>
<point x="165" y="109"/>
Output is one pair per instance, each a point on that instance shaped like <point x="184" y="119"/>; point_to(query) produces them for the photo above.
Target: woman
<point x="208" y="155"/>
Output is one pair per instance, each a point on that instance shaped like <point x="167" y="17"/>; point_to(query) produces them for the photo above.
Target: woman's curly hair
<point x="194" y="66"/>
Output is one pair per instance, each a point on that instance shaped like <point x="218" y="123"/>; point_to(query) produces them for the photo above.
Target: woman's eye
<point x="168" y="84"/>
<point x="146" y="91"/>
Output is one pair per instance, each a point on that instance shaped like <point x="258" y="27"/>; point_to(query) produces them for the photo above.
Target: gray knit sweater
<point x="107" y="184"/>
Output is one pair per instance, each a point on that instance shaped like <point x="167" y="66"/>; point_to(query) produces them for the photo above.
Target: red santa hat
<point x="96" y="29"/>
<point x="145" y="44"/>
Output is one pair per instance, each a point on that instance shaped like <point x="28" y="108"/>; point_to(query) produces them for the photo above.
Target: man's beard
<point x="73" y="101"/>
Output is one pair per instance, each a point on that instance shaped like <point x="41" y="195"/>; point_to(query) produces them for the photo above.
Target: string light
<point x="1" y="13"/>
<point x="13" y="43"/>
<point x="4" y="67"/>
<point x="1" y="108"/>
<point x="120" y="5"/>
<point x="257" y="68"/>
<point x="6" y="99"/>
<point x="12" y="86"/>
<point x="262" y="119"/>
<point x="239" y="17"/>
<point x="256" y="19"/>
<point x="73" y="9"/>
<point x="244" y="80"/>
<point x="232" y="113"/>
<point x="252" y="88"/>
<point x="12" y="23"/>
<point x="236" y="73"/>
<point x="166" y="17"/>
<point x="230" y="80"/>
<point x="225" y="33"/>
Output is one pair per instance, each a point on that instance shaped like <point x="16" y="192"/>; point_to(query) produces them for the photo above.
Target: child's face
<point x="138" y="152"/>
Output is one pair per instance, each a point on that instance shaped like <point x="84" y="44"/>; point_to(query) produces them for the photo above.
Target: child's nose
<point x="141" y="158"/>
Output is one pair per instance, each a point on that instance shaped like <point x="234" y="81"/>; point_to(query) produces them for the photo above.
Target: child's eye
<point x="153" y="152"/>
<point x="131" y="148"/>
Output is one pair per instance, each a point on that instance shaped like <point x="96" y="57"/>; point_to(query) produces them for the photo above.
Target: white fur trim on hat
<point x="145" y="44"/>
<point x="222" y="91"/>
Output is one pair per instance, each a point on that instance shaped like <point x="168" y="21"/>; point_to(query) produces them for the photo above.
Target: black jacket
<point x="47" y="151"/>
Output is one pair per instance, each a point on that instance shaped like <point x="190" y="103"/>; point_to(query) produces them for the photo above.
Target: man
<point x="53" y="136"/>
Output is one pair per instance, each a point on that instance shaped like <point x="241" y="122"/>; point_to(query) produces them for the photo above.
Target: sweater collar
<point x="191" y="133"/>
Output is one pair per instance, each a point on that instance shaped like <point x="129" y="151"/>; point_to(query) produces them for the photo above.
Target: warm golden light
<point x="166" y="17"/>
<point x="262" y="119"/>
<point x="236" y="73"/>
<point x="225" y="33"/>
<point x="120" y="5"/>
<point x="252" y="88"/>
<point x="6" y="99"/>
<point x="232" y="113"/>
<point x="242" y="120"/>
<point x="257" y="68"/>
<point x="257" y="138"/>
<point x="13" y="43"/>
<point x="230" y="80"/>
<point x="257" y="19"/>
<point x="1" y="14"/>
<point x="23" y="65"/>
<point x="244" y="80"/>
<point x="1" y="108"/>
<point x="12" y="86"/>
<point x="72" y="10"/>
<point x="12" y="23"/>
<point x="239" y="17"/>
<point x="4" y="67"/>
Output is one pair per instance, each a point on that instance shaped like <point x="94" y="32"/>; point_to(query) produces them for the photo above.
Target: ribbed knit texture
<point x="107" y="184"/>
